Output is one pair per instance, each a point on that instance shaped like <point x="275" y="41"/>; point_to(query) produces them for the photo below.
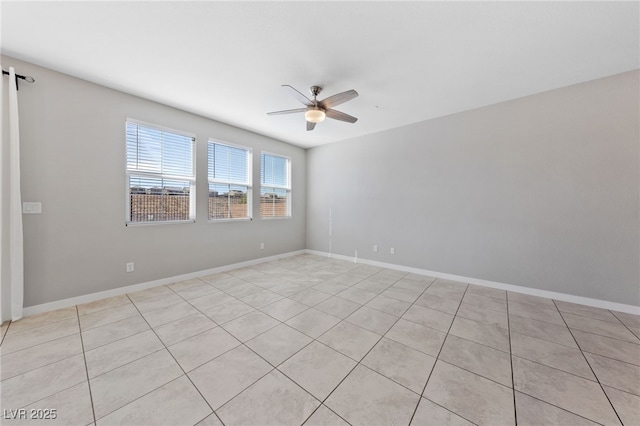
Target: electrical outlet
<point x="130" y="267"/>
<point x="392" y="250"/>
<point x="375" y="248"/>
<point x="261" y="246"/>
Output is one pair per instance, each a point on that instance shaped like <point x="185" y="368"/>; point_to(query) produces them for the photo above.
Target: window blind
<point x="275" y="186"/>
<point x="160" y="174"/>
<point x="229" y="169"/>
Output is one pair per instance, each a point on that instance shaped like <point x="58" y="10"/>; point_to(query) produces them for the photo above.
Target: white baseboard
<point x="604" y="304"/>
<point x="65" y="303"/>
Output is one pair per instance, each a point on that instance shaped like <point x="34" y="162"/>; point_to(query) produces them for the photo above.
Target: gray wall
<point x="539" y="192"/>
<point x="73" y="161"/>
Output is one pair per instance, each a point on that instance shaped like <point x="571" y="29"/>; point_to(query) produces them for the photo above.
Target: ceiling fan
<point x="315" y="111"/>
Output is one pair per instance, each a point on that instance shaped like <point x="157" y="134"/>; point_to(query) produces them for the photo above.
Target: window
<point x="160" y="174"/>
<point x="275" y="186"/>
<point x="229" y="181"/>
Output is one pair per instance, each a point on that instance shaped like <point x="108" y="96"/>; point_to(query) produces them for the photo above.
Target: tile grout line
<point x="624" y="324"/>
<point x="313" y="307"/>
<point x="470" y="304"/>
<point x="254" y="309"/>
<point x="262" y="376"/>
<point x="513" y="383"/>
<point x="466" y="339"/>
<point x="117" y="340"/>
<point x="49" y="396"/>
<point x="176" y="361"/>
<point x="42" y="366"/>
<point x="469" y="371"/>
<point x="127" y="363"/>
<point x="247" y="347"/>
<point x="299" y="350"/>
<point x="150" y="328"/>
<point x="316" y="340"/>
<point x="554" y="368"/>
<point x="613" y="359"/>
<point x="536" y="319"/>
<point x="32" y="347"/>
<point x="559" y="408"/>
<point x="112" y="322"/>
<point x="357" y="362"/>
<point x="6" y="330"/>
<point x="307" y="272"/>
<point x="220" y="324"/>
<point x="313" y="396"/>
<point x="123" y="296"/>
<point x="342" y="320"/>
<point x="437" y="358"/>
<point x="86" y="367"/>
<point x="33" y="327"/>
<point x="60" y="390"/>
<point x="322" y="402"/>
<point x="283" y="297"/>
<point x="327" y="407"/>
<point x="591" y="368"/>
<point x="607" y="336"/>
<point x="37" y="344"/>
<point x="524" y="333"/>
<point x="567" y="327"/>
<point x="583" y="315"/>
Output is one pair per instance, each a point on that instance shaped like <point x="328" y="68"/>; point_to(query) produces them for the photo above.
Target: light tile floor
<point x="317" y="341"/>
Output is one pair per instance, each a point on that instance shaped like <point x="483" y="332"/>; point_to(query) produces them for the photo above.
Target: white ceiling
<point x="410" y="61"/>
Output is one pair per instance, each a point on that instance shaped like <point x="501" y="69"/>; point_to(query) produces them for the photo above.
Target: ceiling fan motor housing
<point x="315" y="90"/>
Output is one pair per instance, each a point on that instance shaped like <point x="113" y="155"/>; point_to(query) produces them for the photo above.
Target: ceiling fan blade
<point x="299" y="96"/>
<point x="287" y="111"/>
<point x="310" y="126"/>
<point x="337" y="115"/>
<point x="338" y="99"/>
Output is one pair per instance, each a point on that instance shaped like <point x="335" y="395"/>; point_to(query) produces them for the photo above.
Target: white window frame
<point x="152" y="175"/>
<point x="248" y="183"/>
<point x="286" y="187"/>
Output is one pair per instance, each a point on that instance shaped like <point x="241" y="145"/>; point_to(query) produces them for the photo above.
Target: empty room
<point x="320" y="213"/>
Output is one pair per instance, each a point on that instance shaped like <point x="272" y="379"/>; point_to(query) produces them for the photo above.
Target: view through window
<point x="229" y="181"/>
<point x="275" y="186"/>
<point x="160" y="174"/>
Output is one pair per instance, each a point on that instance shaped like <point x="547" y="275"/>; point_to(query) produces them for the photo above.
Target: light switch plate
<point x="31" y="208"/>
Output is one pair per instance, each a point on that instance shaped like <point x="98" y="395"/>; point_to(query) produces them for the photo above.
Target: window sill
<point x="241" y="219"/>
<point x="167" y="222"/>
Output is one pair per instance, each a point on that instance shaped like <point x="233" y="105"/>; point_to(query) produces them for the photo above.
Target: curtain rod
<point x="26" y="78"/>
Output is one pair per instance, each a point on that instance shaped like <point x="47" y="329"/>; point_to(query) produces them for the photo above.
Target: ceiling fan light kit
<point x="315" y="115"/>
<point x="316" y="111"/>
